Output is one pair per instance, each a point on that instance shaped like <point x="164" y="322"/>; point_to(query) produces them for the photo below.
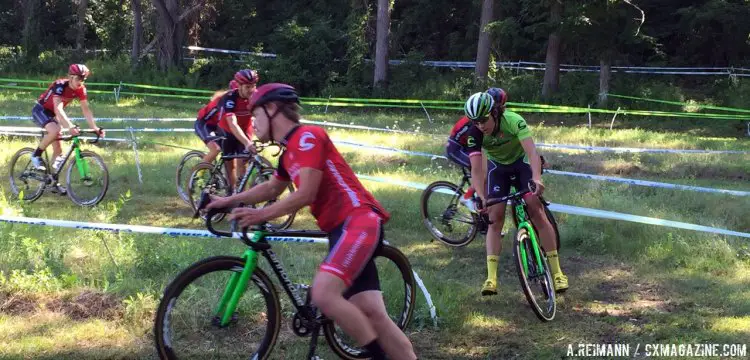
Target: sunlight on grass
<point x="740" y="324"/>
<point x="129" y="102"/>
<point x="477" y="321"/>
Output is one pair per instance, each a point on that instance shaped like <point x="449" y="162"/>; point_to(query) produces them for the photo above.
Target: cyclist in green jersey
<point x="506" y="140"/>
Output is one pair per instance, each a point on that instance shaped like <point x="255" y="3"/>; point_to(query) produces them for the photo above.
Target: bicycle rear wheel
<point x="186" y="326"/>
<point x="537" y="284"/>
<point x="88" y="183"/>
<point x="184" y="169"/>
<point x="26" y="183"/>
<point x="447" y="220"/>
<point x="399" y="294"/>
<point x="283" y="222"/>
<point x="202" y="177"/>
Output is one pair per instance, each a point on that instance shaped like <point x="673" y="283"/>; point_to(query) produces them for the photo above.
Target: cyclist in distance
<point x="346" y="287"/>
<point x="208" y="122"/>
<point x="506" y="139"/>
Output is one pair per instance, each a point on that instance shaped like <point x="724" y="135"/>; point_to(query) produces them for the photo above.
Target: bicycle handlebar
<point x="97" y="133"/>
<point x="504" y="199"/>
<point x="204" y="201"/>
<point x="260" y="146"/>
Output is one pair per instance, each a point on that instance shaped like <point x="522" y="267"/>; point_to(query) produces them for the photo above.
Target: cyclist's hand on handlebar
<point x="218" y="202"/>
<point x="251" y="148"/>
<point x="537" y="187"/>
<point x="246" y="217"/>
<point x="74" y="131"/>
<point x="99" y="131"/>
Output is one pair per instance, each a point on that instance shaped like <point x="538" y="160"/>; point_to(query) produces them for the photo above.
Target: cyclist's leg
<point x="203" y="131"/>
<point x="498" y="185"/>
<point x="352" y="246"/>
<point x="458" y="155"/>
<point x="45" y="120"/>
<point x="230" y="146"/>
<point x="370" y="301"/>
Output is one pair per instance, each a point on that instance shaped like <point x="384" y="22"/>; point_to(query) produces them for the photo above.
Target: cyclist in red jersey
<point x="233" y="120"/>
<point x="346" y="288"/>
<point x="48" y="113"/>
<point x="207" y="122"/>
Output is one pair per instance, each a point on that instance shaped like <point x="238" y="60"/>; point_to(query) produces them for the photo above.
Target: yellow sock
<point x="554" y="262"/>
<point x="492" y="267"/>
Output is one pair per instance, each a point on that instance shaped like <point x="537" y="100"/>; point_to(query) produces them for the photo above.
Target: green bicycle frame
<point x="238" y="283"/>
<point x="83" y="167"/>
<point x="524" y="224"/>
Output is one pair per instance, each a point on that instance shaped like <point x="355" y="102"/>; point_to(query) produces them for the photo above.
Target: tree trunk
<point x="605" y="72"/>
<point x="137" y="32"/>
<point x="483" y="46"/>
<point x="31" y="36"/>
<point x="552" y="71"/>
<point x="81" y="28"/>
<point x="381" y="43"/>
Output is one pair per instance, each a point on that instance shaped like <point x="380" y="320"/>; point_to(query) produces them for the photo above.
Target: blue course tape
<point x="602" y="214"/>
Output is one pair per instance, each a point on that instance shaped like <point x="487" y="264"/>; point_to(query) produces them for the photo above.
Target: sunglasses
<point x="481" y="120"/>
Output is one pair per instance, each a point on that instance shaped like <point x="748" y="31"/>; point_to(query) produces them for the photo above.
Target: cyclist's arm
<point x="536" y="162"/>
<point x="60" y="113"/>
<point x="305" y="195"/>
<point x="86" y="110"/>
<point x="264" y="191"/>
<point x="237" y="131"/>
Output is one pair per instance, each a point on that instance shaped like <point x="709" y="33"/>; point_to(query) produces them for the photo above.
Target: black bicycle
<point x="227" y="307"/>
<point x="451" y="222"/>
<point x="86" y="178"/>
<point x="213" y="177"/>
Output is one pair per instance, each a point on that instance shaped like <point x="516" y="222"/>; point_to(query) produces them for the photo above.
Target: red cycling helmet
<point x="246" y="77"/>
<point x="273" y="92"/>
<point x="233" y="85"/>
<point x="499" y="95"/>
<point x="80" y="70"/>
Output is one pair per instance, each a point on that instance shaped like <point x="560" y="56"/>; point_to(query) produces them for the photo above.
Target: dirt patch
<point x="88" y="304"/>
<point x="18" y="304"/>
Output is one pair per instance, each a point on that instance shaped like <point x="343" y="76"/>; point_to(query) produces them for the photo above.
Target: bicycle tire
<point x="264" y="175"/>
<point x="404" y="317"/>
<point x="163" y="332"/>
<point x="216" y="179"/>
<point x="522" y="239"/>
<point x="180" y="181"/>
<point x="550" y="217"/>
<point x="104" y="181"/>
<point x="16" y="181"/>
<point x="434" y="231"/>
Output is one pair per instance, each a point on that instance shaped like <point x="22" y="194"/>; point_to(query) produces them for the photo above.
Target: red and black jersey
<point x="61" y="88"/>
<point x="340" y="191"/>
<point x="209" y="114"/>
<point x="460" y="131"/>
<point x="230" y="104"/>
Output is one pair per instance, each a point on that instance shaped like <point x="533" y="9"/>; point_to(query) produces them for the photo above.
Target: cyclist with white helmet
<point x="506" y="139"/>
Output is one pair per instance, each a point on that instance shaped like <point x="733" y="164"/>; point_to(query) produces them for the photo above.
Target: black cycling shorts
<point x="500" y="177"/>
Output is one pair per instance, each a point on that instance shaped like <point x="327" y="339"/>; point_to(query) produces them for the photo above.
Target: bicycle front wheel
<point x="398" y="287"/>
<point x="283" y="222"/>
<point x="445" y="217"/>
<point x="87" y="179"/>
<point x="187" y="163"/>
<point x="186" y="324"/>
<point x="536" y="282"/>
<point x="26" y="182"/>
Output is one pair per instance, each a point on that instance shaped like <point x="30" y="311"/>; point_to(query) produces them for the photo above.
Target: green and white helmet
<point x="478" y="106"/>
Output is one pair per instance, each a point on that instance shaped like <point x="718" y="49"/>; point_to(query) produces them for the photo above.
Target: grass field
<point x="63" y="296"/>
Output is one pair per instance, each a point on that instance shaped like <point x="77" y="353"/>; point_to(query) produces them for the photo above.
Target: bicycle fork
<point x="236" y="287"/>
<point x="83" y="167"/>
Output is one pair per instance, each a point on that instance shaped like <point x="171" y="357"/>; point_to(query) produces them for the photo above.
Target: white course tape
<point x="435" y="156"/>
<point x="127" y="228"/>
<point x="602" y="214"/>
<point x="568" y="173"/>
<point x="639" y="150"/>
